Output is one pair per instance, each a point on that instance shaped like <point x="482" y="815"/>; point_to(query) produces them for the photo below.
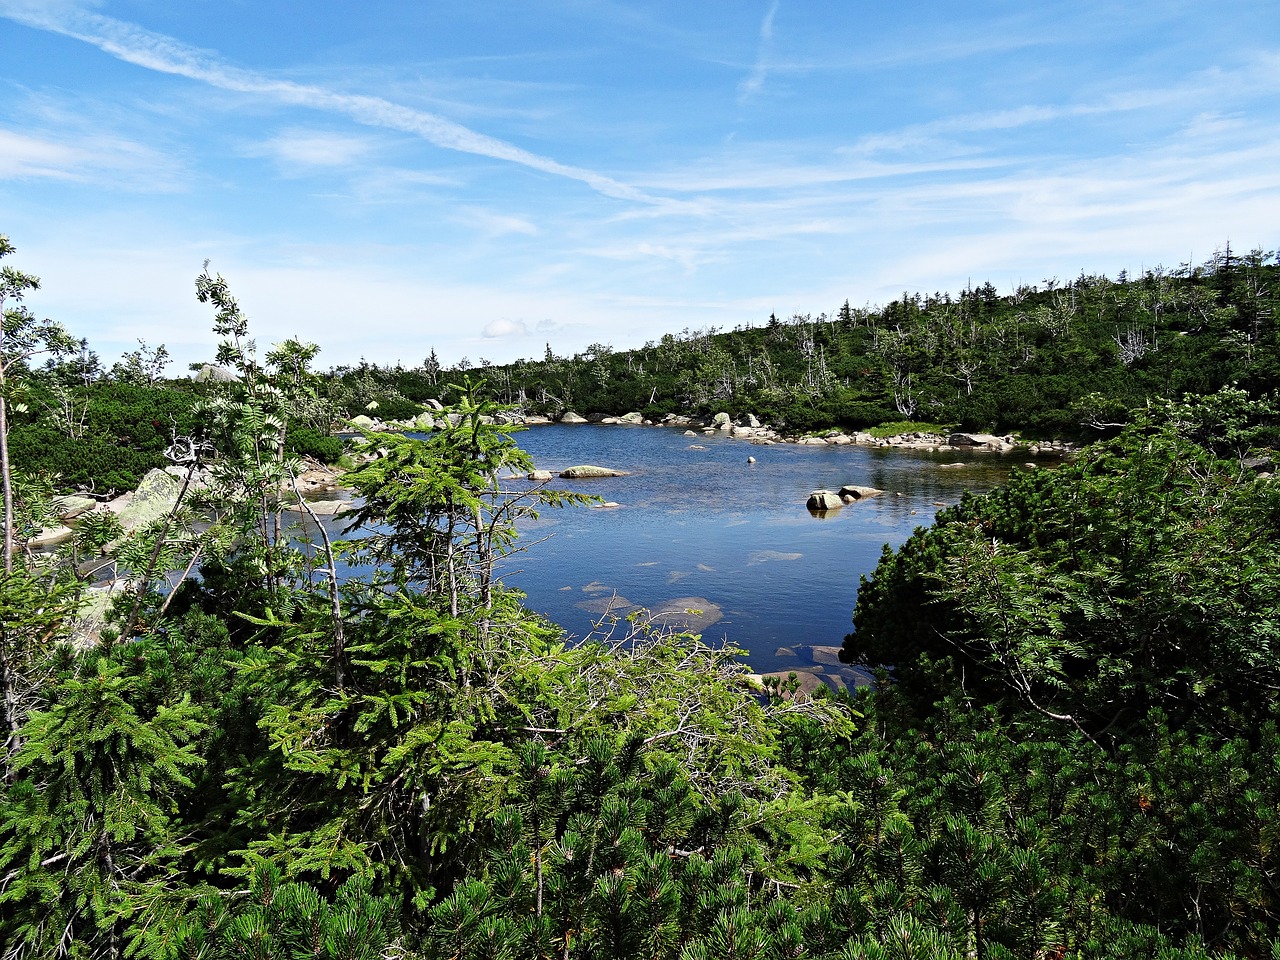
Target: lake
<point x="699" y="527"/>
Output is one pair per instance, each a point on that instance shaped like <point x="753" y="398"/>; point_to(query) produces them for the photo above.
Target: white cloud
<point x="314" y="148"/>
<point x="502" y="329"/>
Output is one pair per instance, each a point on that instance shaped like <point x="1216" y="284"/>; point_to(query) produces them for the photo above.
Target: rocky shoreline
<point x="748" y="428"/>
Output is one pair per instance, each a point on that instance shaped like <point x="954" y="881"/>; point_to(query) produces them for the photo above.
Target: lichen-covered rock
<point x="155" y="497"/>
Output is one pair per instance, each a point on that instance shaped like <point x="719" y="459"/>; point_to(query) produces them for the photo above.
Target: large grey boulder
<point x="589" y="471"/>
<point x="631" y="418"/>
<point x="212" y="374"/>
<point x="720" y="420"/>
<point x="364" y="422"/>
<point x="570" y="417"/>
<point x="155" y="497"/>
<point x="824" y="500"/>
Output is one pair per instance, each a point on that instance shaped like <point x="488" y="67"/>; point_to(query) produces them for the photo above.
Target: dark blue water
<point x="699" y="526"/>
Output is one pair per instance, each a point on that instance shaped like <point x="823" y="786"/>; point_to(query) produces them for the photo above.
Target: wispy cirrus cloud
<point x="753" y="83"/>
<point x="301" y="148"/>
<point x="154" y="51"/>
<point x="85" y="159"/>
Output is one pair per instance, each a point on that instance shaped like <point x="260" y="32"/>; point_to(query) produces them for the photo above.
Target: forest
<point x="1048" y="360"/>
<point x="1070" y="749"/>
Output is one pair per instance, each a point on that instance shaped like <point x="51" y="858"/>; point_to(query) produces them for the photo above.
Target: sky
<point x="487" y="179"/>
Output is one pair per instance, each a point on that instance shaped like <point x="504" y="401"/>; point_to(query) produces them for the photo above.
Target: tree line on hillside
<point x="1047" y="359"/>
<point x="1069" y="750"/>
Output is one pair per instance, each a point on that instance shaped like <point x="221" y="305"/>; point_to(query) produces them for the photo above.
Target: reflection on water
<point x="697" y="522"/>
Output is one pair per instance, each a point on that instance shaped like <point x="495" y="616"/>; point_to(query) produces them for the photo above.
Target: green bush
<point x="307" y="442"/>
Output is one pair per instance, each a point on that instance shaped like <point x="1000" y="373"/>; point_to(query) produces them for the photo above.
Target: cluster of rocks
<point x="822" y="500"/>
<point x="816" y="666"/>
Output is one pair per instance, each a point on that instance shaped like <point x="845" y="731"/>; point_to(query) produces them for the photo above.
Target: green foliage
<point x="87" y="829"/>
<point x="308" y="442"/>
<point x="285" y="920"/>
<point x="124" y="432"/>
<point x="1116" y="616"/>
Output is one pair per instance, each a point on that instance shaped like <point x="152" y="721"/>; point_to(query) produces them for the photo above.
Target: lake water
<point x="698" y="527"/>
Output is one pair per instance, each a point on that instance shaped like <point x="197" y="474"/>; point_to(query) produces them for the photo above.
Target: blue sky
<point x="486" y="178"/>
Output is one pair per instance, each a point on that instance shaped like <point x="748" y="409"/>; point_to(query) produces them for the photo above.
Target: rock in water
<point x="855" y="492"/>
<point x="586" y="471"/>
<point x="571" y="417"/>
<point x="824" y="500"/>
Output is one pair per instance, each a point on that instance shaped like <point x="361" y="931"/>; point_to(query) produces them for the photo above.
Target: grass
<point x="909" y="426"/>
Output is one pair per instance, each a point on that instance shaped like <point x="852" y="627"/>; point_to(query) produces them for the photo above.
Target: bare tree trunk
<point x="10" y="543"/>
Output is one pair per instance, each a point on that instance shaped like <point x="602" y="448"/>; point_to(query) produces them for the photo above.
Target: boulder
<point x="589" y="471"/>
<point x="51" y="537"/>
<point x="824" y="655"/>
<point x="322" y="508"/>
<point x="211" y="374"/>
<point x="824" y="500"/>
<point x="364" y="422"/>
<point x="801" y="684"/>
<point x="855" y="492"/>
<point x="314" y="480"/>
<point x="987" y="440"/>
<point x="86" y="630"/>
<point x="570" y="417"/>
<point x="70" y="507"/>
<point x="424" y="421"/>
<point x="631" y="418"/>
<point x="155" y="497"/>
<point x="720" y="420"/>
<point x="541" y="476"/>
<point x="690" y="433"/>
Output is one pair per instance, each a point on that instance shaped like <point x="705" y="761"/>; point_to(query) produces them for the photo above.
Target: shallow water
<point x="699" y="527"/>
